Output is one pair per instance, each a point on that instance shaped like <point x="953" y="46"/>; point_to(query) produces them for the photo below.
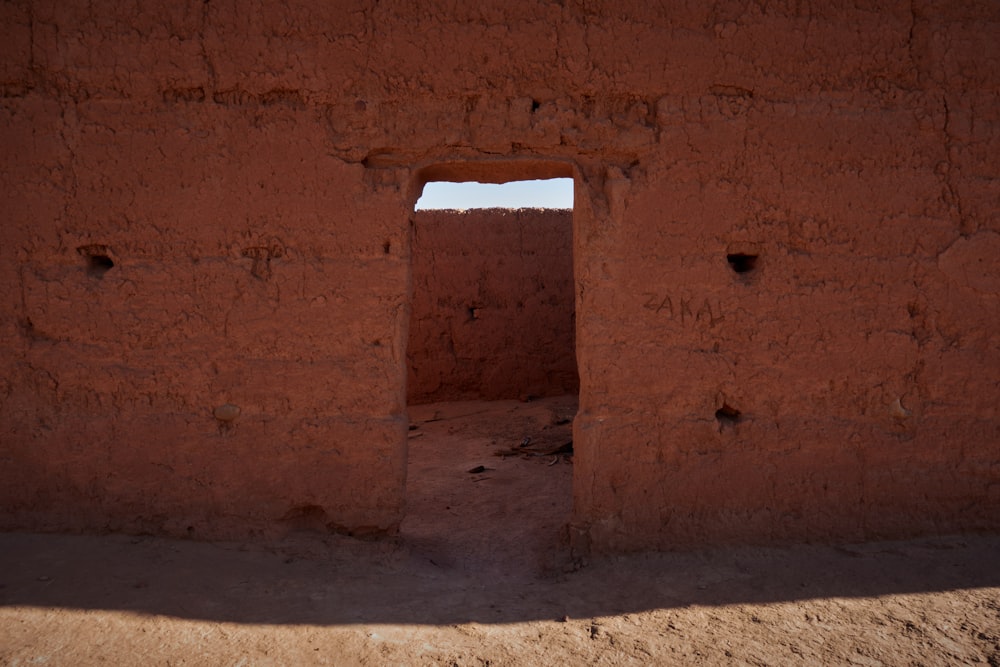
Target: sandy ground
<point x="480" y="575"/>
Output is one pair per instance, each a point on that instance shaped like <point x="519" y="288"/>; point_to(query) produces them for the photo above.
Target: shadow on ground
<point x="334" y="581"/>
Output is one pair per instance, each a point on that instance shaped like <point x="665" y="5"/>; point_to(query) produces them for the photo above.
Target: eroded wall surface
<point x="493" y="305"/>
<point x="249" y="170"/>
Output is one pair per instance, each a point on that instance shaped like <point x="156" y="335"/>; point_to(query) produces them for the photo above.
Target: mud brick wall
<point x="786" y="235"/>
<point x="223" y="289"/>
<point x="493" y="305"/>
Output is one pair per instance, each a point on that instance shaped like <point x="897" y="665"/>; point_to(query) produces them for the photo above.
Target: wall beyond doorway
<point x="493" y="305"/>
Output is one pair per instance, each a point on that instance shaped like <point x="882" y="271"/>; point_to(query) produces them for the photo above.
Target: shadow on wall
<point x="340" y="581"/>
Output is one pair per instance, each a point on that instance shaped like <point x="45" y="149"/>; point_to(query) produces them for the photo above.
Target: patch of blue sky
<point x="546" y="193"/>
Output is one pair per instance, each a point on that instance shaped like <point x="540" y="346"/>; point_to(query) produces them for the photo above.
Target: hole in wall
<point x="98" y="265"/>
<point x="492" y="378"/>
<point x="727" y="415"/>
<point x="742" y="262"/>
<point x="97" y="258"/>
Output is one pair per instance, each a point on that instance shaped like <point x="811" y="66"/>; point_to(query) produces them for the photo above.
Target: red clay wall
<point x="227" y="288"/>
<point x="493" y="305"/>
<point x="251" y="170"/>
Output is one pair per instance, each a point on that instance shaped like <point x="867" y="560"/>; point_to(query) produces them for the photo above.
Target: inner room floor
<point x="489" y="484"/>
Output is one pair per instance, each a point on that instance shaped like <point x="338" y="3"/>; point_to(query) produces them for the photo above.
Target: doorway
<point x="492" y="380"/>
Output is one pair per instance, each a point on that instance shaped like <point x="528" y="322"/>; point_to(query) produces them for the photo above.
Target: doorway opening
<point x="492" y="377"/>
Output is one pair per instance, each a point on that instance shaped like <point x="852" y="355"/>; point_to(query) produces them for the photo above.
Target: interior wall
<point x="493" y="312"/>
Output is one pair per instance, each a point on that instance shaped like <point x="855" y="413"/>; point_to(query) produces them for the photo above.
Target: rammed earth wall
<point x="786" y="236"/>
<point x="493" y="305"/>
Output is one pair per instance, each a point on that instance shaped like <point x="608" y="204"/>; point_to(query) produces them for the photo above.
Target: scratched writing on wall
<point x="686" y="309"/>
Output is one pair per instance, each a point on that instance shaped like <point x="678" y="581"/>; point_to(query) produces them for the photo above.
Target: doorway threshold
<point x="489" y="484"/>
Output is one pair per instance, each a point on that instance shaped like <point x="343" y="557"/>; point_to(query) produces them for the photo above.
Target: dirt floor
<point x="480" y="575"/>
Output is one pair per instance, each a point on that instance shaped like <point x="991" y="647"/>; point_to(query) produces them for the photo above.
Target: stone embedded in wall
<point x="226" y="415"/>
